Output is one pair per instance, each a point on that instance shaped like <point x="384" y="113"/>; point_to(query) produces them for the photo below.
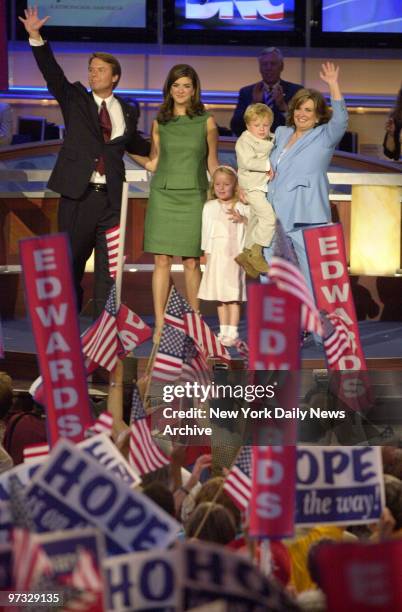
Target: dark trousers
<point x="85" y="221"/>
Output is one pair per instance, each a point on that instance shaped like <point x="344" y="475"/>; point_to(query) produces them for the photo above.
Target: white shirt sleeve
<point x="36" y="43"/>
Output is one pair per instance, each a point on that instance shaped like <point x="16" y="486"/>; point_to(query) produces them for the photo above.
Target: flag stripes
<point x="339" y="342"/>
<point x="30" y="562"/>
<point x="238" y="487"/>
<point x="288" y="278"/>
<point x="35" y="451"/>
<point x="112" y="245"/>
<point x="238" y="481"/>
<point x="144" y="454"/>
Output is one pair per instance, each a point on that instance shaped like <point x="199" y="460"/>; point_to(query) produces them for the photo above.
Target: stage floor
<point x="380" y="339"/>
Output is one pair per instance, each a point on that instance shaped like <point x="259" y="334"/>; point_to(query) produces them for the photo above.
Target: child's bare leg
<point x="192" y="280"/>
<point x="234" y="314"/>
<point x="223" y="313"/>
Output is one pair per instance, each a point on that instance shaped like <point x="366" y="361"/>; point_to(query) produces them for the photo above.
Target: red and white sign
<point x="367" y="576"/>
<point x="273" y="490"/>
<point x="273" y="328"/>
<point x="329" y="276"/>
<point x="52" y="307"/>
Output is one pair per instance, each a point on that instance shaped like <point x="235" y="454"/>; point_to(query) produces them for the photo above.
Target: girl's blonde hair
<point x="229" y="171"/>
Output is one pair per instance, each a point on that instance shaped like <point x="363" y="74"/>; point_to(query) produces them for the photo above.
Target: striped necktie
<point x="268" y="97"/>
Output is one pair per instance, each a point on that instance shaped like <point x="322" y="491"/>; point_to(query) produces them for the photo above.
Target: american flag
<point x="35" y="451"/>
<point x="179" y="314"/>
<point x="179" y="358"/>
<point x="86" y="586"/>
<point x="168" y="362"/>
<point x="144" y="455"/>
<point x="195" y="366"/>
<point x="100" y="343"/>
<point x="175" y="310"/>
<point x="338" y="340"/>
<point x="30" y="562"/>
<point x="284" y="271"/>
<point x="238" y="481"/>
<point x="112" y="244"/>
<point x="114" y="334"/>
<point x="103" y="424"/>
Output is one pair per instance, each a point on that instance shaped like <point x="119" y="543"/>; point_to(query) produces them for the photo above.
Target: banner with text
<point x="72" y="490"/>
<point x="333" y="294"/>
<point x="339" y="485"/>
<point x="273" y="491"/>
<point x="52" y="307"/>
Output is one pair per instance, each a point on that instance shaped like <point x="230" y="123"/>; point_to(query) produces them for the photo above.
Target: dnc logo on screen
<point x="224" y="9"/>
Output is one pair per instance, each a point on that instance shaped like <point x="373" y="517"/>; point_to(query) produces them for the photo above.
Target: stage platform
<point x="381" y="341"/>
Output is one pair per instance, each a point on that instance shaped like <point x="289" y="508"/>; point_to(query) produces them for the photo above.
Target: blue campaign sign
<point x="104" y="451"/>
<point x="339" y="485"/>
<point x="72" y="479"/>
<point x="23" y="472"/>
<point x="193" y="573"/>
<point x="131" y="582"/>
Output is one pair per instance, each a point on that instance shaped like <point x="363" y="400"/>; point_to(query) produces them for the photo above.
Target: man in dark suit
<point x="272" y="91"/>
<point x="89" y="170"/>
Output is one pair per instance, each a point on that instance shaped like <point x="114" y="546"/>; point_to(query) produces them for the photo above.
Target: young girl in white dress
<point x="224" y="221"/>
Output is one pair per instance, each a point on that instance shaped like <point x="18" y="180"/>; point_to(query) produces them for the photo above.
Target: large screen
<point x="102" y="20"/>
<point x="95" y="13"/>
<point x="230" y="21"/>
<point x="377" y="16"/>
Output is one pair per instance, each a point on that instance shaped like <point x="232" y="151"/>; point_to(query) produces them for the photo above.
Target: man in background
<point x="271" y="90"/>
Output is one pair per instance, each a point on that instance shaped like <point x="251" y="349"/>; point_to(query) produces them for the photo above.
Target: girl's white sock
<point x="223" y="330"/>
<point x="232" y="331"/>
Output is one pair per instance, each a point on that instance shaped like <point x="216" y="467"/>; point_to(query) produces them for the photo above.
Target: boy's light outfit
<point x="253" y="164"/>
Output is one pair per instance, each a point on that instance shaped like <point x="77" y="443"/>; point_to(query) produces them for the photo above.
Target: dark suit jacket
<point x="83" y="143"/>
<point x="254" y="93"/>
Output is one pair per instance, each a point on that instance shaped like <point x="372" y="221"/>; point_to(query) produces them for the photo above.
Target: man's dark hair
<point x="108" y="59"/>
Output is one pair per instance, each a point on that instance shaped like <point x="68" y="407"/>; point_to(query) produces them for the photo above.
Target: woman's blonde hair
<point x="229" y="171"/>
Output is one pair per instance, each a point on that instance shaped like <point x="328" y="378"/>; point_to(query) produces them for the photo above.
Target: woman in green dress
<point x="184" y="147"/>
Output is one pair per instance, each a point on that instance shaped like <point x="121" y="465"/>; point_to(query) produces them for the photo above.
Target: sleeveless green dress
<point x="178" y="189"/>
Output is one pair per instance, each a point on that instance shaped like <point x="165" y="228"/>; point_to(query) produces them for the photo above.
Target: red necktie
<point x="106" y="127"/>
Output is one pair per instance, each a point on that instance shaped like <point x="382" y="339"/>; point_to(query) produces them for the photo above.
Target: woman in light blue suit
<point x="301" y="157"/>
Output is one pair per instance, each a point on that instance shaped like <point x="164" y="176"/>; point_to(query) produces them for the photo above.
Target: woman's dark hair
<point x="160" y="494"/>
<point x="218" y="527"/>
<point x="313" y="564"/>
<point x="6" y="394"/>
<point x="320" y="106"/>
<point x="195" y="107"/>
<point x="396" y="113"/>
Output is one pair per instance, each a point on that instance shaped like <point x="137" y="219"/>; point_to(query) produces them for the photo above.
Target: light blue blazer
<point x="300" y="188"/>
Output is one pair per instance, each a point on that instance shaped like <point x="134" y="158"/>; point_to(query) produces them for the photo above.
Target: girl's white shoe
<point x="228" y="341"/>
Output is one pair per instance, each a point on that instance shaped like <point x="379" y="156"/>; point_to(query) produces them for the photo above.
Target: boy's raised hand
<point x="32" y="23"/>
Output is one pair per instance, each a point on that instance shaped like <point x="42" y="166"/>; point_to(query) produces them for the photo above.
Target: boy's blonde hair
<point x="257" y="111"/>
<point x="229" y="171"/>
